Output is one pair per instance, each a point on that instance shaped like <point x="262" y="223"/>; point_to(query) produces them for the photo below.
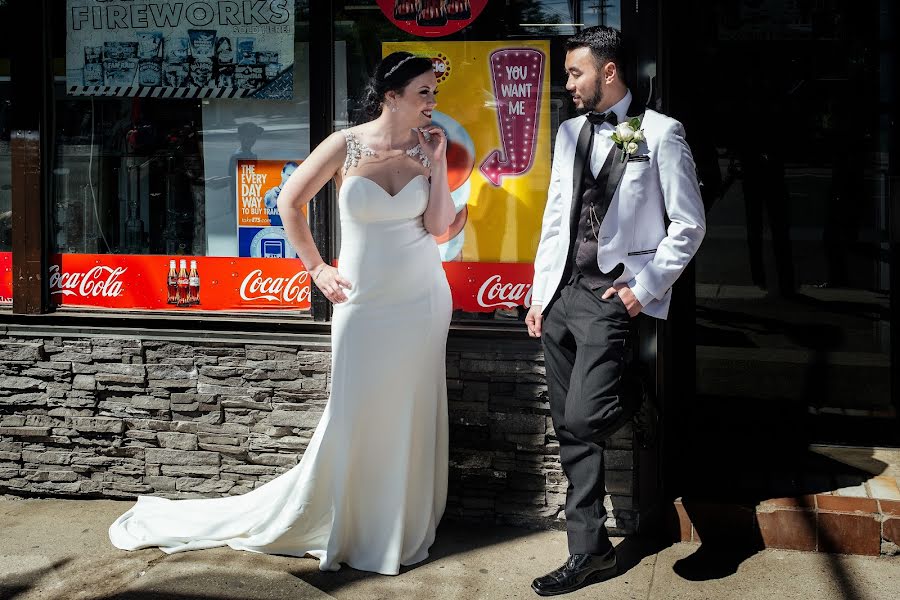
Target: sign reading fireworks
<point x="181" y="49"/>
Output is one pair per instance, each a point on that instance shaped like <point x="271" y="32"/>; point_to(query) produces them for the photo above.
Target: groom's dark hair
<point x="606" y="45"/>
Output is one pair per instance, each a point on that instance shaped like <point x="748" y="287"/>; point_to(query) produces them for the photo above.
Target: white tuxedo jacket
<point x="633" y="231"/>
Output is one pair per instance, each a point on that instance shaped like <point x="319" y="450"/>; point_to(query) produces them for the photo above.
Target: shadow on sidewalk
<point x="632" y="551"/>
<point x="452" y="538"/>
<point x="747" y="452"/>
<point x="20" y="583"/>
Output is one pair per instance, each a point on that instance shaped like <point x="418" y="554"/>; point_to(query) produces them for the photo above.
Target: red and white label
<point x="256" y="286"/>
<point x="486" y="287"/>
<point x="98" y="281"/>
<point x="495" y="293"/>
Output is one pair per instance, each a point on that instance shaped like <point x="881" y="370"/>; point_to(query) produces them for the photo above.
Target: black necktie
<point x="600" y="118"/>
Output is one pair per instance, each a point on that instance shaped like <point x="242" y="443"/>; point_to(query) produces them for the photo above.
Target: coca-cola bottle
<point x="432" y="13"/>
<point x="172" y="284"/>
<point x="183" y="283"/>
<point x="194" y="284"/>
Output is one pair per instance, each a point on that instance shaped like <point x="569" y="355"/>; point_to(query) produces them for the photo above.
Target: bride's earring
<point x="394" y="108"/>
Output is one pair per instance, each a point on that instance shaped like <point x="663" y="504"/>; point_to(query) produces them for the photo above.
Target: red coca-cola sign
<point x="486" y="287"/>
<point x="6" y="278"/>
<point x="98" y="281"/>
<point x="496" y="293"/>
<point x="257" y="286"/>
<point x="431" y="18"/>
<point x="141" y="282"/>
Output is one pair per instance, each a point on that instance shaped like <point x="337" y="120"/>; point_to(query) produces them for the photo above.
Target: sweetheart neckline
<point x="378" y="185"/>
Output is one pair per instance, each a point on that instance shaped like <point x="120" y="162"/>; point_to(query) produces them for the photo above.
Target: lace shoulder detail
<point x="416" y="152"/>
<point x="355" y="150"/>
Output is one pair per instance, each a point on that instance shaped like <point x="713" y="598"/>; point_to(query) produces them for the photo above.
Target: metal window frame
<point x="321" y="124"/>
<point x="31" y="140"/>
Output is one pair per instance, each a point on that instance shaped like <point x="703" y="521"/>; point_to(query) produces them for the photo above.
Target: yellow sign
<point x="493" y="104"/>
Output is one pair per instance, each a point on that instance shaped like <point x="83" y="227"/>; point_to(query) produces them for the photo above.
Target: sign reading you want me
<point x="180" y="49"/>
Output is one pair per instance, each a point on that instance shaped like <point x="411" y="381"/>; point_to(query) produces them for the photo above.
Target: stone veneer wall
<point x="182" y="416"/>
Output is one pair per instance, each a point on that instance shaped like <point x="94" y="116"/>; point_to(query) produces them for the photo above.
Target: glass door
<point x="790" y="110"/>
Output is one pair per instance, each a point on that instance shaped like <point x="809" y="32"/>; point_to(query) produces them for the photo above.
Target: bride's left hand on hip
<point x="330" y="281"/>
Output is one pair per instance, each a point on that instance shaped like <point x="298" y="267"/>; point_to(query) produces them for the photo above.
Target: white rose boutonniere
<point x="626" y="137"/>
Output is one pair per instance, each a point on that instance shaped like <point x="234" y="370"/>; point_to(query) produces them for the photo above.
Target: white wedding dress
<point x="372" y="484"/>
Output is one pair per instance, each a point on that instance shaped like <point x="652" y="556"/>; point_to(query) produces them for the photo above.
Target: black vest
<point x="584" y="232"/>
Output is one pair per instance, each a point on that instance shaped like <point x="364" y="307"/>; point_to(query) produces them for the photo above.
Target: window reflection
<point x="129" y="177"/>
<point x="793" y="279"/>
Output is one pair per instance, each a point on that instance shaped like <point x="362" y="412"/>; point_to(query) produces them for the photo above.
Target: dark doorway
<point x="789" y="108"/>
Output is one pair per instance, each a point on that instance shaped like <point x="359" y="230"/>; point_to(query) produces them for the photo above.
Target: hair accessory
<point x="397" y="66"/>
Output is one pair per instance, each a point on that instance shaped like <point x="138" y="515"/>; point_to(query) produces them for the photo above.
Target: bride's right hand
<point x="329" y="280"/>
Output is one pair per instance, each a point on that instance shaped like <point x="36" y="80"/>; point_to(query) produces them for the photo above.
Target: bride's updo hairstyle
<point x="392" y="74"/>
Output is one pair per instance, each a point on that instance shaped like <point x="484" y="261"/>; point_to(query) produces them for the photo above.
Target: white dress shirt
<point x="603" y="134"/>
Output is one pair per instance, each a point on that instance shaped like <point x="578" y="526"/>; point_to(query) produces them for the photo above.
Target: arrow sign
<point x="518" y="75"/>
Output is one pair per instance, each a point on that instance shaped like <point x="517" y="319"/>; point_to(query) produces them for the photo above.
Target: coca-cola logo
<point x="293" y="289"/>
<point x="100" y="281"/>
<point x="494" y="293"/>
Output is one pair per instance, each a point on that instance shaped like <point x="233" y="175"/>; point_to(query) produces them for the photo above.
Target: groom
<point x="605" y="256"/>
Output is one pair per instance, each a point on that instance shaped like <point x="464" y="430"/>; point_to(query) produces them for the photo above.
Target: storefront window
<point x="173" y="137"/>
<point x="794" y="276"/>
<point x="502" y="97"/>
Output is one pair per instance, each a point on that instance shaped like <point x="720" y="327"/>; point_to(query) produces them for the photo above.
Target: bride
<point x="372" y="485"/>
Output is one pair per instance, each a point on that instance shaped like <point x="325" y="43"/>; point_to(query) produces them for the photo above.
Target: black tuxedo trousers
<point x="586" y="342"/>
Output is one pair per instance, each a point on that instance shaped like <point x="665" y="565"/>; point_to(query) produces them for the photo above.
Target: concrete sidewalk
<point x="58" y="549"/>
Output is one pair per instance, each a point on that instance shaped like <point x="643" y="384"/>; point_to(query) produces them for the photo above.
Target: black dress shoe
<point x="580" y="570"/>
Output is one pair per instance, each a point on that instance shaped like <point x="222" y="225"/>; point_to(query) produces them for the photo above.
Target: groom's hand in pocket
<point x="534" y="320"/>
<point x="632" y="304"/>
<point x="330" y="281"/>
